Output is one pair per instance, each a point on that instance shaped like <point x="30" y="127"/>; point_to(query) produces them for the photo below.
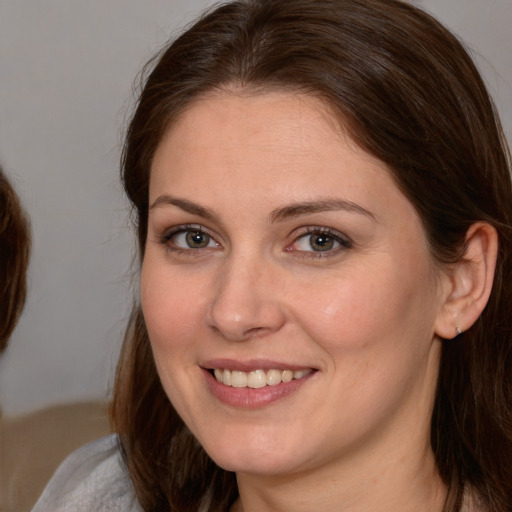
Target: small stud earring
<point x="457" y="330"/>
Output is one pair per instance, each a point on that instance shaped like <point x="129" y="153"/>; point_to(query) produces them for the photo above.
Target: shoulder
<point x="93" y="478"/>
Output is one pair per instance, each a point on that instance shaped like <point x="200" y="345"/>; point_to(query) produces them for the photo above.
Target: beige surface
<point x="32" y="446"/>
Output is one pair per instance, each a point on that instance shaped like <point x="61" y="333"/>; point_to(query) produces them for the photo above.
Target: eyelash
<point x="341" y="239"/>
<point x="167" y="239"/>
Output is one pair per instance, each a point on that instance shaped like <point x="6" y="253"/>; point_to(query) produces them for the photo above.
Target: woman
<point x="323" y="208"/>
<point x="14" y="256"/>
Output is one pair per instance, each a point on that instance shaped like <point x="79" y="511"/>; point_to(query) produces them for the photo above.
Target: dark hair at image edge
<point x="14" y="257"/>
<point x="408" y="93"/>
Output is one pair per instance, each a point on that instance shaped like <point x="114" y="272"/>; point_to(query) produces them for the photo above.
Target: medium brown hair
<point x="407" y="92"/>
<point x="14" y="256"/>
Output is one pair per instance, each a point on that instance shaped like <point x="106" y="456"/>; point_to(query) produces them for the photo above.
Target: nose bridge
<point x="245" y="302"/>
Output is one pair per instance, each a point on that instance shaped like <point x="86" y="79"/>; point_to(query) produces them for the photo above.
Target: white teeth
<point x="226" y="378"/>
<point x="287" y="376"/>
<point x="257" y="378"/>
<point x="238" y="379"/>
<point x="274" y="377"/>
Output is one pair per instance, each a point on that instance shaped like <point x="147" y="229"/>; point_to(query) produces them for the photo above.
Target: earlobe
<point x="470" y="282"/>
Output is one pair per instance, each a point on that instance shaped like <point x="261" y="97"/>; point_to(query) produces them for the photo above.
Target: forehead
<point x="273" y="130"/>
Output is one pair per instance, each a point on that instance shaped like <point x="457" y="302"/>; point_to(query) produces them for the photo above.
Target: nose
<point x="245" y="302"/>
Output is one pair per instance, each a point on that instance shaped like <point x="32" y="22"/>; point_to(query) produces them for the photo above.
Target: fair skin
<point x="276" y="245"/>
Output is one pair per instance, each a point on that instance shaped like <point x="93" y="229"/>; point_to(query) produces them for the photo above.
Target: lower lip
<point x="250" y="398"/>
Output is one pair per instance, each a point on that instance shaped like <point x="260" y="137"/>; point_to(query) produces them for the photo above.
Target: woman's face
<point x="287" y="288"/>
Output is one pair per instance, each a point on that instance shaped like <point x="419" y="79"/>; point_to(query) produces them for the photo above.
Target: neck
<point x="388" y="482"/>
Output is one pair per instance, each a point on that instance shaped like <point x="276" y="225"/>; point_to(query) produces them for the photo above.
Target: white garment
<point x="91" y="479"/>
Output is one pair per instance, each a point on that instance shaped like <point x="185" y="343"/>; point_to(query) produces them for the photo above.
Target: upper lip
<point x="251" y="365"/>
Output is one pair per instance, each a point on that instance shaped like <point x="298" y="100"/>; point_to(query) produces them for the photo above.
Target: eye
<point x="320" y="240"/>
<point x="189" y="238"/>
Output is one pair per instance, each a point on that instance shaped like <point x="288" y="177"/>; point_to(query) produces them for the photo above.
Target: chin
<point x="254" y="465"/>
<point x="258" y="457"/>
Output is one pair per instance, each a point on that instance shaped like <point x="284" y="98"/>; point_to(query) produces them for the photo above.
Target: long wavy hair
<point x="408" y="93"/>
<point x="14" y="258"/>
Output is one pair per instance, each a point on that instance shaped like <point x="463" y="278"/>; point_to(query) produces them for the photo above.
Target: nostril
<point x="242" y="311"/>
<point x="257" y="331"/>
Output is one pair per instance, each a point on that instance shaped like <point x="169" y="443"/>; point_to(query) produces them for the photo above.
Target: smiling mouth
<point x="257" y="379"/>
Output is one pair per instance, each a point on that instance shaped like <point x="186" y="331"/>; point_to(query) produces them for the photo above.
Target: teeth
<point x="273" y="377"/>
<point x="238" y="379"/>
<point x="226" y="377"/>
<point x="287" y="376"/>
<point x="257" y="378"/>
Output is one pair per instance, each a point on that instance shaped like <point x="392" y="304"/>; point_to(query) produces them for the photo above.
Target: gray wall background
<point x="66" y="74"/>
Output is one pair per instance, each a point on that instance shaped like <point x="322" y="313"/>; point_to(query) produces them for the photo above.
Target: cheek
<point x="171" y="304"/>
<point x="171" y="308"/>
<point x="367" y="310"/>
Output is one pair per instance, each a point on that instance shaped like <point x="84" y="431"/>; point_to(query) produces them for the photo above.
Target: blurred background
<point x="66" y="90"/>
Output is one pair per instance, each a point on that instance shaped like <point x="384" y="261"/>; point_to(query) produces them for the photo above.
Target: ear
<point x="469" y="282"/>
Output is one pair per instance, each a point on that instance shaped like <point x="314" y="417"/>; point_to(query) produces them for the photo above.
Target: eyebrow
<point x="277" y="215"/>
<point x="183" y="204"/>
<point x="327" y="205"/>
